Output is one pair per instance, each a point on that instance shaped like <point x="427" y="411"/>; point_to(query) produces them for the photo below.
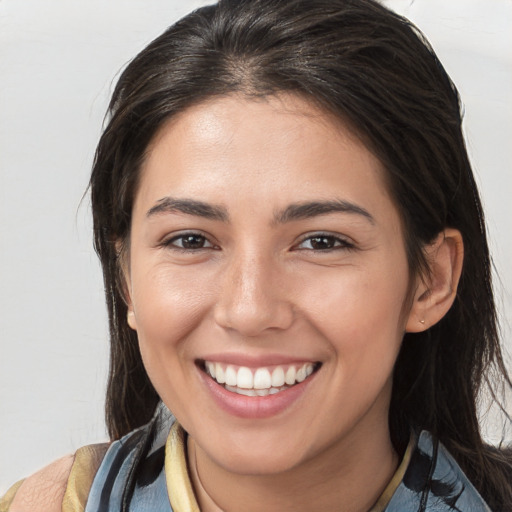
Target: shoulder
<point x="62" y="485"/>
<point x="44" y="490"/>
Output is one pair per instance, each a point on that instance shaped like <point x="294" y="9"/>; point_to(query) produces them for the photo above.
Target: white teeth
<point x="210" y="368"/>
<point x="244" y="378"/>
<point x="262" y="382"/>
<point x="278" y="377"/>
<point x="240" y="391"/>
<point x="230" y="376"/>
<point x="253" y="392"/>
<point x="262" y="379"/>
<point x="219" y="374"/>
<point x="290" y="376"/>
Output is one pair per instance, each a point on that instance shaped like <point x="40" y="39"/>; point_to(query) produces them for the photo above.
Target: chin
<point x="260" y="464"/>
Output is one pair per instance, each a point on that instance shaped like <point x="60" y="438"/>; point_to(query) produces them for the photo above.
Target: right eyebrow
<point x="189" y="207"/>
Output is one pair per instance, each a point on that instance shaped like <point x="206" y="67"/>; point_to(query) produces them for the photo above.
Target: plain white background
<point x="58" y="62"/>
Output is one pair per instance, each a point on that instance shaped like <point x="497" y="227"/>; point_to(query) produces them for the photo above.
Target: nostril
<point x="253" y="318"/>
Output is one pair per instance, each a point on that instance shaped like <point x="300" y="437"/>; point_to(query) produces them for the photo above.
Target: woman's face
<point x="265" y="250"/>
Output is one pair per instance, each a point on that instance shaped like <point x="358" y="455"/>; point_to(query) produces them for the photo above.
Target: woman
<point x="296" y="266"/>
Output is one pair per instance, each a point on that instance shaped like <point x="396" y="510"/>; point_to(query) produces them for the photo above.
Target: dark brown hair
<point x="375" y="71"/>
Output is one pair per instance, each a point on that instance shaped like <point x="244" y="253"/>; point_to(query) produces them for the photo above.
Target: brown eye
<point x="324" y="243"/>
<point x="189" y="242"/>
<point x="193" y="242"/>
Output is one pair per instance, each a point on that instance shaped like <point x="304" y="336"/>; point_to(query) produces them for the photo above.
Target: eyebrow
<point x="291" y="213"/>
<point x="189" y="207"/>
<point x="313" y="209"/>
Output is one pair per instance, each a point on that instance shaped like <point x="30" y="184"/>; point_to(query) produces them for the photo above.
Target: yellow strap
<point x="386" y="496"/>
<point x="179" y="487"/>
<point x="86" y="464"/>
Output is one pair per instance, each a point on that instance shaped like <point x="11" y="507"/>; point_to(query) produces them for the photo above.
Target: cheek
<point x="356" y="301"/>
<point x="168" y="306"/>
<point x="360" y="316"/>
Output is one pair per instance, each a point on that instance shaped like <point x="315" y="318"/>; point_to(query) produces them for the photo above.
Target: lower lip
<point x="254" y="406"/>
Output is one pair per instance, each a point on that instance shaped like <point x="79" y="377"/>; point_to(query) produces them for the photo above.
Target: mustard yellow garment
<point x="6" y="500"/>
<point x="390" y="489"/>
<point x="179" y="486"/>
<point x="86" y="463"/>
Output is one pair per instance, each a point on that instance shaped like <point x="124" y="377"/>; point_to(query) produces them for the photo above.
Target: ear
<point x="435" y="292"/>
<point x="124" y="281"/>
<point x="130" y="317"/>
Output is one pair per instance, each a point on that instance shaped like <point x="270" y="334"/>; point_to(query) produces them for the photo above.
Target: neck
<point x="352" y="474"/>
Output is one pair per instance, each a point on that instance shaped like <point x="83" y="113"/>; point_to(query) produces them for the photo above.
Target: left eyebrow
<point x="315" y="208"/>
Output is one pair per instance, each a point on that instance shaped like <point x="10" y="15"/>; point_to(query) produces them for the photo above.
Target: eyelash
<point x="171" y="242"/>
<point x="337" y="242"/>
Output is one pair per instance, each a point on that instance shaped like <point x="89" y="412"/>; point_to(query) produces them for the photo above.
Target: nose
<point x="252" y="299"/>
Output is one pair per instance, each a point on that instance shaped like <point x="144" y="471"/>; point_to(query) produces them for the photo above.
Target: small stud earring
<point x="422" y="322"/>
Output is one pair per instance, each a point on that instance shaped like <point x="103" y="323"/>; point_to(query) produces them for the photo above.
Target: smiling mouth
<point x="261" y="381"/>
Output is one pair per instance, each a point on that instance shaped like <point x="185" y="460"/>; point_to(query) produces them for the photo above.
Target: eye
<point x="324" y="242"/>
<point x="189" y="242"/>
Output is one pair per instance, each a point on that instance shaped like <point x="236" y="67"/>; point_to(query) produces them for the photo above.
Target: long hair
<point x="377" y="73"/>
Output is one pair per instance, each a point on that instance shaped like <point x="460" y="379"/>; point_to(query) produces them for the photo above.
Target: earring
<point x="422" y="322"/>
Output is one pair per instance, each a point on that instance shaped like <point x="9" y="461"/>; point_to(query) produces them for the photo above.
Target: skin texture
<point x="44" y="490"/>
<point x="262" y="289"/>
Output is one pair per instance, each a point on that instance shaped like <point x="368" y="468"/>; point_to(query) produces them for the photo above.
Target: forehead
<point x="242" y="146"/>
